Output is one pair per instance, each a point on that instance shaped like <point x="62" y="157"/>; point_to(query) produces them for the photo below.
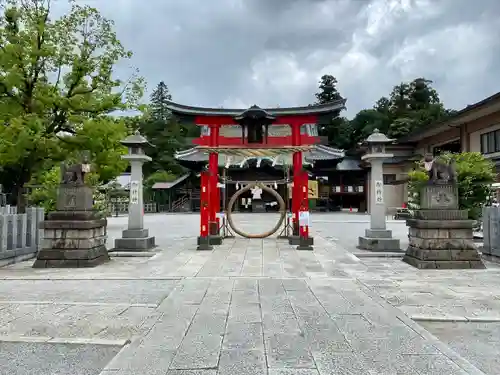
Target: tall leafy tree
<point x="56" y="85"/>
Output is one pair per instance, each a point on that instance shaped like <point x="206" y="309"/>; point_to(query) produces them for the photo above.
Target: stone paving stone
<point x="242" y="362"/>
<point x="339" y="364"/>
<point x="201" y="346"/>
<point x="109" y="291"/>
<point x="191" y="372"/>
<point x="433" y="364"/>
<point x="173" y="323"/>
<point x="199" y="351"/>
<point x="287" y="350"/>
<point x="145" y="359"/>
<point x="51" y="359"/>
<point x="243" y="336"/>
<point x="189" y="291"/>
<point x="245" y="313"/>
<point x="133" y="322"/>
<point x="27" y="319"/>
<point x="320" y="331"/>
<point x="389" y="364"/>
<point x="477" y="342"/>
<point x="293" y="371"/>
<point x="245" y="297"/>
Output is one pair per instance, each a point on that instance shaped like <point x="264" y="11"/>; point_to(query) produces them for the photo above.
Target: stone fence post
<point x="491" y="231"/>
<point x="3" y="233"/>
<point x="31" y="228"/>
<point x="40" y="216"/>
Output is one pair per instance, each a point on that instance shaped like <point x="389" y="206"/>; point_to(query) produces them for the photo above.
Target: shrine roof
<point x="314" y="153"/>
<point x="316" y="109"/>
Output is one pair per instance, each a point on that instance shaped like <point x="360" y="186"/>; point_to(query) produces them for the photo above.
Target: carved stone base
<point x="439" y="197"/>
<point x="135" y="240"/>
<point x="305" y="243"/>
<point x="71" y="197"/>
<point x="437" y="244"/>
<point x="72" y="244"/>
<point x="379" y="240"/>
<point x="204" y="243"/>
<point x="293" y="240"/>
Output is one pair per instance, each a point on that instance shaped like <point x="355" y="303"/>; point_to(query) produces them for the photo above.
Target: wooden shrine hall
<point x="270" y="136"/>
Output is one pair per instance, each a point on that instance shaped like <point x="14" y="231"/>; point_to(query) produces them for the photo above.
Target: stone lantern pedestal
<point x="135" y="237"/>
<point x="377" y="237"/>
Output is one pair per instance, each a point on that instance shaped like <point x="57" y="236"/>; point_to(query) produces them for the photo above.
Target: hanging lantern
<point x="237" y="186"/>
<point x="275" y="186"/>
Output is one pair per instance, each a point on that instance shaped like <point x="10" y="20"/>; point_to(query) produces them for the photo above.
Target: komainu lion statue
<point x="440" y="171"/>
<point x="75" y="174"/>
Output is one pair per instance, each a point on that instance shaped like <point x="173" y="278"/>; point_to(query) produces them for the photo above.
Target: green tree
<point x="164" y="132"/>
<point x="365" y="122"/>
<point x="414" y="105"/>
<point x="56" y="76"/>
<point x="159" y="98"/>
<point x="327" y="90"/>
<point x="336" y="129"/>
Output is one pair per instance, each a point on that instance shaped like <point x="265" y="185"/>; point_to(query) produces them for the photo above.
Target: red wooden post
<point x="296" y="191"/>
<point x="297" y="169"/>
<point x="213" y="171"/>
<point x="216" y="188"/>
<point x="304" y="202"/>
<point x="204" y="196"/>
<point x="213" y="167"/>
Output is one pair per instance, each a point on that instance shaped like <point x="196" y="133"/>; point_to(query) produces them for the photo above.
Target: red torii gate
<point x="210" y="194"/>
<point x="213" y="120"/>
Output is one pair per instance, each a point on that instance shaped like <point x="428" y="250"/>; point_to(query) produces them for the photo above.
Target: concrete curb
<point x="463" y="363"/>
<point x="380" y="255"/>
<point x="72" y="303"/>
<point x="456" y="319"/>
<point x="62" y="340"/>
<point x="132" y="254"/>
<point x="82" y="278"/>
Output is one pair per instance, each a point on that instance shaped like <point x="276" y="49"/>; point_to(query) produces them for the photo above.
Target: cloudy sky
<point x="235" y="53"/>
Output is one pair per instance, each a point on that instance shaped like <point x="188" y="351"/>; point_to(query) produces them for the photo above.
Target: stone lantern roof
<point x="378" y="137"/>
<point x="136" y="140"/>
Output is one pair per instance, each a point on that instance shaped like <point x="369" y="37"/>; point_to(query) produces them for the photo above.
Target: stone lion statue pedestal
<point x="74" y="235"/>
<point x="440" y="235"/>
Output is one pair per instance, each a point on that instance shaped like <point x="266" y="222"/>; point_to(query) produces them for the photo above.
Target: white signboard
<point x="379" y="192"/>
<point x="134" y="192"/>
<point x="304" y="218"/>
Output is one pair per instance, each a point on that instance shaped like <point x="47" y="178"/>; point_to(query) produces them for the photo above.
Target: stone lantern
<point x="378" y="237"/>
<point x="135" y="237"/>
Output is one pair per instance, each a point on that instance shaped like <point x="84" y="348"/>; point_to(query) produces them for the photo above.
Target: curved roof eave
<point x="319" y="152"/>
<point x="316" y="109"/>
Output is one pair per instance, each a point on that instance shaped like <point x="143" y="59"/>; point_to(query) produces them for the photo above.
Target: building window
<point x="490" y="142"/>
<point x="389" y="179"/>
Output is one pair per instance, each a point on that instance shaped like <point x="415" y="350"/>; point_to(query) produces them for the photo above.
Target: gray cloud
<point x="269" y="52"/>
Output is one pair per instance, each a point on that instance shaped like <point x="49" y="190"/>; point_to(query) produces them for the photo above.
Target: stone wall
<point x="20" y="236"/>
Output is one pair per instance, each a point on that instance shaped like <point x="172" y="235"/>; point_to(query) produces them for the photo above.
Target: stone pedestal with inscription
<point x="377" y="237"/>
<point x="440" y="235"/>
<point x="74" y="235"/>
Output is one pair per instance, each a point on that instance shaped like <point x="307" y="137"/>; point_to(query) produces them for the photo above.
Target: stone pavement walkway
<point x="248" y="307"/>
